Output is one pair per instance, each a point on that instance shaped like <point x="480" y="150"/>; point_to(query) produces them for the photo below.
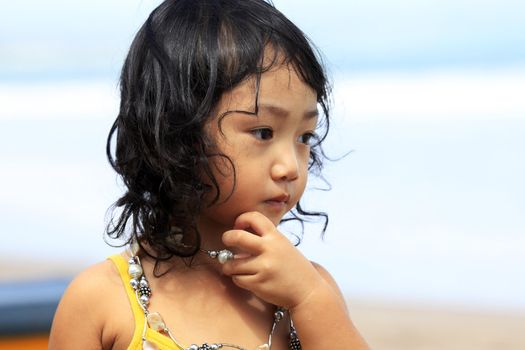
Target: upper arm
<point x="79" y="320"/>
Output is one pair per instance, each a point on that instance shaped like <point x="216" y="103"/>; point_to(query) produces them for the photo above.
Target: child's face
<point x="270" y="151"/>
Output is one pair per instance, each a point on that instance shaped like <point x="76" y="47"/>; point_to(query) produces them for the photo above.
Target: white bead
<point x="156" y="322"/>
<point x="263" y="347"/>
<point x="143" y="282"/>
<point x="133" y="283"/>
<point x="193" y="347"/>
<point x="135" y="271"/>
<point x="224" y="255"/>
<point x="144" y="299"/>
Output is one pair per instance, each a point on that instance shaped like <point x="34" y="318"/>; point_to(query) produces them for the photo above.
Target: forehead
<point x="280" y="86"/>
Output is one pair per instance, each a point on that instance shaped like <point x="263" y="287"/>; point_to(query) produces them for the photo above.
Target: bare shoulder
<point x="329" y="279"/>
<point x="326" y="275"/>
<point x="83" y="310"/>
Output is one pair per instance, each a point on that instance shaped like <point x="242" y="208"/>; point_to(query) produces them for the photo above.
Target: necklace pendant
<point x="156" y="322"/>
<point x="147" y="345"/>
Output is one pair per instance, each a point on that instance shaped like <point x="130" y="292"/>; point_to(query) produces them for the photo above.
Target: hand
<point x="269" y="265"/>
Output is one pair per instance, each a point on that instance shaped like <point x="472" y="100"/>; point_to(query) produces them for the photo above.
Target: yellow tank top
<point x="162" y="341"/>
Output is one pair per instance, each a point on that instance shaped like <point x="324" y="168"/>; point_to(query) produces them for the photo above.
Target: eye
<point x="307" y="138"/>
<point x="262" y="133"/>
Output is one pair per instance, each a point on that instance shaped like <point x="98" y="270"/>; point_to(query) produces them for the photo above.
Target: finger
<point x="237" y="267"/>
<point x="254" y="222"/>
<point x="245" y="281"/>
<point x="243" y="240"/>
<point x="242" y="256"/>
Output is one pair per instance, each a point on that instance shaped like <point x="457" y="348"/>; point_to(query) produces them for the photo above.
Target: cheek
<point x="303" y="177"/>
<point x="301" y="186"/>
<point x="305" y="161"/>
<point x="220" y="181"/>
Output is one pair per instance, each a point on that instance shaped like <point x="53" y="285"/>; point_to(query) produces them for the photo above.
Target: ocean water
<point x="427" y="201"/>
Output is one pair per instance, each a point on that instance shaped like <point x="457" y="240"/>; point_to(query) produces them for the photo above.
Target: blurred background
<point x="427" y="211"/>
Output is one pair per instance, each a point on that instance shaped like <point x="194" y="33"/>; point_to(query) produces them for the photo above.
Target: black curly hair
<point x="184" y="57"/>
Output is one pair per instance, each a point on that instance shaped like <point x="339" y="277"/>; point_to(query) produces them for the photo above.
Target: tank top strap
<point x="138" y="314"/>
<point x="162" y="342"/>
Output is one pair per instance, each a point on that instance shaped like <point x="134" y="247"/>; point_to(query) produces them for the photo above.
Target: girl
<point x="214" y="141"/>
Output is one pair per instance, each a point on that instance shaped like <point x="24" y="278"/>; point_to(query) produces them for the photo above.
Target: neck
<point x="211" y="234"/>
<point x="211" y="239"/>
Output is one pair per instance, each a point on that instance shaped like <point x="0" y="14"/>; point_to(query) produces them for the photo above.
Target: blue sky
<point x="66" y="39"/>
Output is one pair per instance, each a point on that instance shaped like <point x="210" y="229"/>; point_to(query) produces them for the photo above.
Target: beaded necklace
<point x="154" y="320"/>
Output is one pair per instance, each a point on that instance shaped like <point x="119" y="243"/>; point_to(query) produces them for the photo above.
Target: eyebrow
<point x="282" y="112"/>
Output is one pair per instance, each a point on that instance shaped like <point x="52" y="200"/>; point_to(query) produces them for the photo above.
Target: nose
<point x="286" y="165"/>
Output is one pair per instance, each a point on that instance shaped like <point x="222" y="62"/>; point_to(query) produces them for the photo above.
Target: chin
<point x="276" y="219"/>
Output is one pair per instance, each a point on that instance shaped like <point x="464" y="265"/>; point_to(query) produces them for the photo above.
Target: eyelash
<point x="265" y="134"/>
<point x="258" y="133"/>
<point x="310" y="137"/>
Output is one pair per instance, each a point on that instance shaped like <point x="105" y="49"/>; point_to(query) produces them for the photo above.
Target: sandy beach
<point x="415" y="327"/>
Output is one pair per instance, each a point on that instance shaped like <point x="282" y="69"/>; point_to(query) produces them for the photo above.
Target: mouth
<point x="279" y="202"/>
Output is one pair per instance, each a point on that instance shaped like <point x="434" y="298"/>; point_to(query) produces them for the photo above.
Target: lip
<point x="284" y="198"/>
<point x="279" y="202"/>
